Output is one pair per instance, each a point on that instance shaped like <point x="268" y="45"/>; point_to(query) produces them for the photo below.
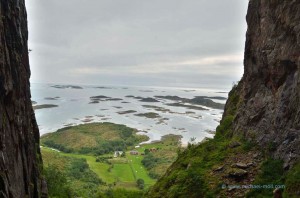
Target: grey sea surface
<point x="131" y="106"/>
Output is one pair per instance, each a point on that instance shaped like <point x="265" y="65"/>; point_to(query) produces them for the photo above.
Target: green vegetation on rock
<point x="292" y="182"/>
<point x="271" y="173"/>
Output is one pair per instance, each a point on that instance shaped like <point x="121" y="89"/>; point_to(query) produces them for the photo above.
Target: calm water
<point x="74" y="108"/>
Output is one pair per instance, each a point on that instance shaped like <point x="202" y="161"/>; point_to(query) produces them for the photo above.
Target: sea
<point x="123" y="105"/>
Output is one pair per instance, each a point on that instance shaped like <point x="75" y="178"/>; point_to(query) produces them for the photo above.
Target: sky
<point x="176" y="43"/>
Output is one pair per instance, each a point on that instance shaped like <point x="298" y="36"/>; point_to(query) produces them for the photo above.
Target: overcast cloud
<point x="191" y="43"/>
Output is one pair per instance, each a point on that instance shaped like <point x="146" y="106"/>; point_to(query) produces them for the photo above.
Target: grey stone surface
<point x="269" y="92"/>
<point x="20" y="158"/>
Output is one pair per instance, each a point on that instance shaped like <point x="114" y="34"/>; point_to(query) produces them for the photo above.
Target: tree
<point x="140" y="183"/>
<point x="57" y="182"/>
<point x="123" y="154"/>
<point x="147" y="151"/>
<point x="192" y="140"/>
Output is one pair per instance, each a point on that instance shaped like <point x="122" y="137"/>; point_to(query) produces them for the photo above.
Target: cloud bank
<point x="194" y="43"/>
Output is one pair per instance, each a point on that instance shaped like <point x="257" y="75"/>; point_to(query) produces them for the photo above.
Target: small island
<point x="44" y="106"/>
<point x="197" y="100"/>
<point x="67" y="87"/>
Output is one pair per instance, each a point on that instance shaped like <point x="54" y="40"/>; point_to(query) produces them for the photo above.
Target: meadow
<point x="122" y="172"/>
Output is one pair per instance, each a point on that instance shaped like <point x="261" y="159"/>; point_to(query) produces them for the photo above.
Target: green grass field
<point x="139" y="170"/>
<point x="124" y="173"/>
<point x="165" y="154"/>
<point x="84" y="142"/>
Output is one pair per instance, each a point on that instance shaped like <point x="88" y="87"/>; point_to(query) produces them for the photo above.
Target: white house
<point x="118" y="153"/>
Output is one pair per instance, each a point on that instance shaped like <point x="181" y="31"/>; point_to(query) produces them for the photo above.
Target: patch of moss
<point x="292" y="182"/>
<point x="248" y="145"/>
<point x="271" y="174"/>
<point x="233" y="101"/>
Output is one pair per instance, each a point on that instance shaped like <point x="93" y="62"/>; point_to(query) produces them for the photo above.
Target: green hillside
<point x="106" y="175"/>
<point x="94" y="138"/>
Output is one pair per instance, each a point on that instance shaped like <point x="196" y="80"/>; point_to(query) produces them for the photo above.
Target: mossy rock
<point x="237" y="173"/>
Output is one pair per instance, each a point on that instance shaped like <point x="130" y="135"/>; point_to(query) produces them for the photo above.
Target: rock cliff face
<point x="258" y="139"/>
<point x="20" y="159"/>
<point x="269" y="107"/>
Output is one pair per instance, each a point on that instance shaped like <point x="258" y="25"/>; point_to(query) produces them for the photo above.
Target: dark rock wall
<point x="20" y="159"/>
<point x="265" y="109"/>
<point x="269" y="107"/>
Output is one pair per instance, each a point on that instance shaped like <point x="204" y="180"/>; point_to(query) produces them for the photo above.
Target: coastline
<point x="112" y="104"/>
